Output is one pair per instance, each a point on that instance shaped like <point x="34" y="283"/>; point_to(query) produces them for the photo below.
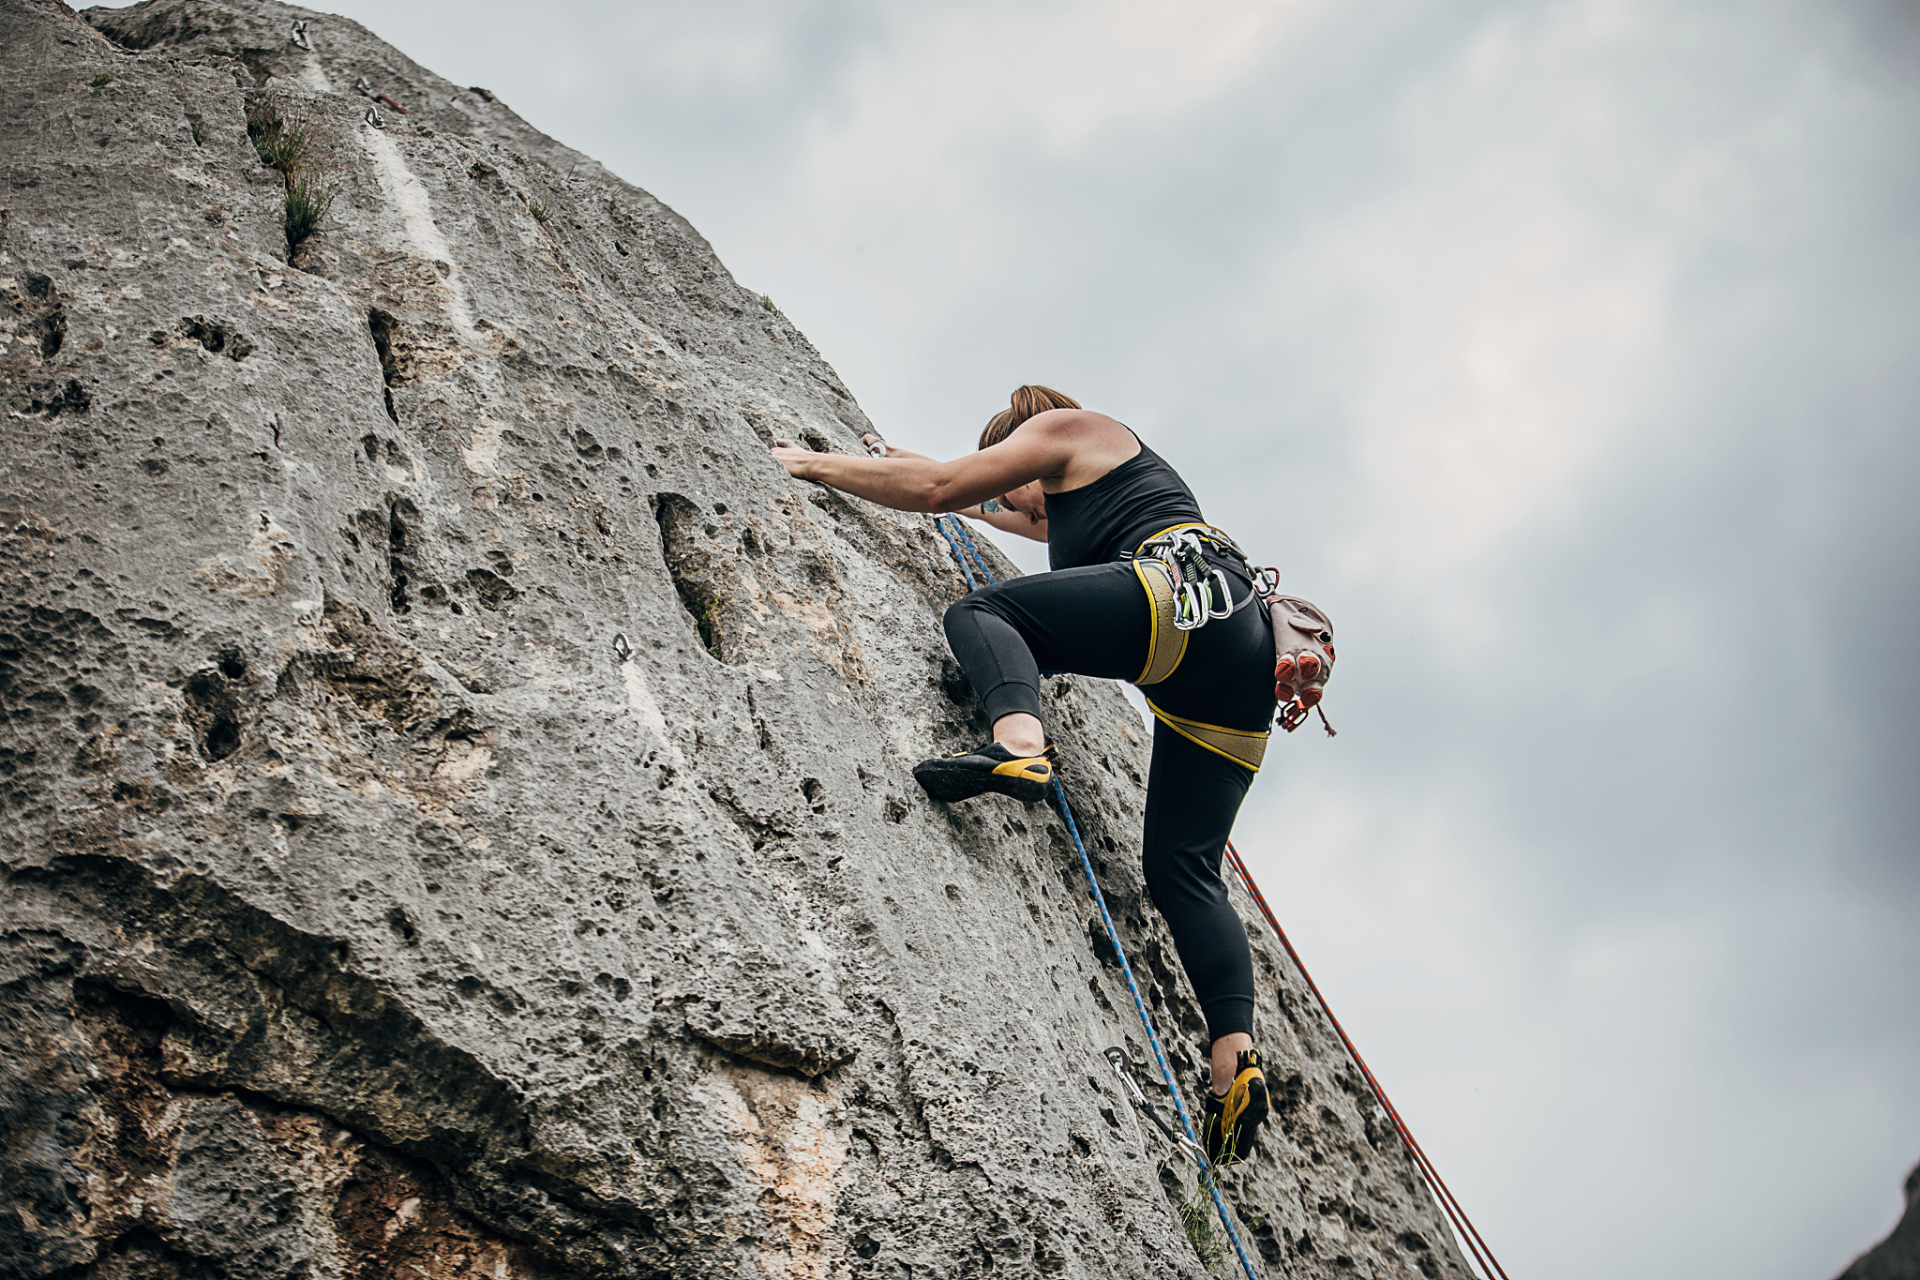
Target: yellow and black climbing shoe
<point x="1229" y="1125"/>
<point x="989" y="768"/>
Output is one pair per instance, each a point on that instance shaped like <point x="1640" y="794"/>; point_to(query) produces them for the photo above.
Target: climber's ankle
<point x="1225" y="1054"/>
<point x="1020" y="734"/>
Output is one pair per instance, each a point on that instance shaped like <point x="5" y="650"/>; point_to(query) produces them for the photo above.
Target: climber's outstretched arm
<point x="1002" y="517"/>
<point x="1042" y="448"/>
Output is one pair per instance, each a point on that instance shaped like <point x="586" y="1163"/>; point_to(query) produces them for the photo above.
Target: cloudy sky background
<point x="1564" y="350"/>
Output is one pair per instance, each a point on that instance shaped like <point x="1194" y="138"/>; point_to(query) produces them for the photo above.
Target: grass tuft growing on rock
<point x="287" y="139"/>
<point x="1196" y="1219"/>
<point x="291" y="141"/>
<point x="307" y="200"/>
<point x="542" y="211"/>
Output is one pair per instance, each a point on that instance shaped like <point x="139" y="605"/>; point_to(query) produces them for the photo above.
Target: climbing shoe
<point x="1228" y="1128"/>
<point x="989" y="768"/>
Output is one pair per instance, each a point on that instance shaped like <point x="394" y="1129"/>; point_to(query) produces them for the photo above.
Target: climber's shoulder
<point x="1079" y="435"/>
<point x="1081" y="444"/>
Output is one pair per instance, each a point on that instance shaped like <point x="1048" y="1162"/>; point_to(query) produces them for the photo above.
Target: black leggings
<point x="1093" y="621"/>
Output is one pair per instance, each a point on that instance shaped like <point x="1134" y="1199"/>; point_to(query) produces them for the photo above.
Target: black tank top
<point x="1101" y="521"/>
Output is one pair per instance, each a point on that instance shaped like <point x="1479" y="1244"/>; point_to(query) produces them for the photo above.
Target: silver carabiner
<point x="1183" y="1146"/>
<point x="1226" y="596"/>
<point x="1189" y="608"/>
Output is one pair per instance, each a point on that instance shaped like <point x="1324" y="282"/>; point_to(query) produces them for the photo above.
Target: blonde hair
<point x="1023" y="404"/>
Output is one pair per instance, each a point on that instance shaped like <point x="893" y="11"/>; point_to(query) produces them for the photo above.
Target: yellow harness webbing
<point x="1166" y="643"/>
<point x="1237" y="745"/>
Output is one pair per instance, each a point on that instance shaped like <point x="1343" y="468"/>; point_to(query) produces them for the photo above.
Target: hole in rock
<point x="215" y="337"/>
<point x="402" y="927"/>
<point x="397" y="544"/>
<point x="385" y="329"/>
<point x="223" y="739"/>
<point x="693" y="569"/>
<point x="494" y="591"/>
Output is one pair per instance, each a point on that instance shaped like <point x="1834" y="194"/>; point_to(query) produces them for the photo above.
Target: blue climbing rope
<point x="967" y="538"/>
<point x="1106" y="918"/>
<point x="1153" y="1037"/>
<point x="960" y="558"/>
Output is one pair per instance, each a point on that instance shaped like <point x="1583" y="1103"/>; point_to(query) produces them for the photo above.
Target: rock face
<point x="1898" y="1256"/>
<point x="455" y="787"/>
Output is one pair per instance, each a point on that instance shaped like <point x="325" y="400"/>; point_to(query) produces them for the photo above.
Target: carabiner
<point x="1189" y="608"/>
<point x="1226" y="596"/>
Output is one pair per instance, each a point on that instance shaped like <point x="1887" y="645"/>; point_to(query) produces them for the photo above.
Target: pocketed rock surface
<point x="456" y="795"/>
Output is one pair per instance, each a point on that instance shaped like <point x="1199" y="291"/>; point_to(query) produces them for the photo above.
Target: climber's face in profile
<point x="1028" y="500"/>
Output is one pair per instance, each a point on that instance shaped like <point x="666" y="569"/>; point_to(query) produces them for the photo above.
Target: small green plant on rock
<point x="287" y="139"/>
<point x="307" y="202"/>
<point x="299" y="147"/>
<point x="102" y="80"/>
<point x="542" y="211"/>
<point x="1196" y="1219"/>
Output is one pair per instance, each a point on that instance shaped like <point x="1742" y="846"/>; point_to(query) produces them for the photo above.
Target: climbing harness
<point x="1462" y="1225"/>
<point x="1185" y="592"/>
<point x="1238" y="745"/>
<point x="1113" y="934"/>
<point x="1194" y="580"/>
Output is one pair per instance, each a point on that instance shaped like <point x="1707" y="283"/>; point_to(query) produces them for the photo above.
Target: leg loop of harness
<point x="1243" y="747"/>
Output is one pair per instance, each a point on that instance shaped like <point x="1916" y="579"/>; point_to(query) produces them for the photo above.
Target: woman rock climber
<point x="1086" y="486"/>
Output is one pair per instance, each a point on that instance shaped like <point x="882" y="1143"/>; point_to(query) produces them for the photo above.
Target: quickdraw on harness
<point x="1190" y="1142"/>
<point x="1185" y="592"/>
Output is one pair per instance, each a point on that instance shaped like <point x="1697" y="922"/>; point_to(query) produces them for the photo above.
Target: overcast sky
<point x="1565" y="351"/>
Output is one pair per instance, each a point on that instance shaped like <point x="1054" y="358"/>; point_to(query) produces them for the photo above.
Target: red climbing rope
<point x="1462" y="1225"/>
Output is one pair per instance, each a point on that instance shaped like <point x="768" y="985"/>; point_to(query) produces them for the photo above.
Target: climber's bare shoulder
<point x="1088" y="444"/>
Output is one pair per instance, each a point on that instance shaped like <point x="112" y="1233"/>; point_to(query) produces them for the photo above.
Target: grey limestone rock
<point x="455" y="787"/>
